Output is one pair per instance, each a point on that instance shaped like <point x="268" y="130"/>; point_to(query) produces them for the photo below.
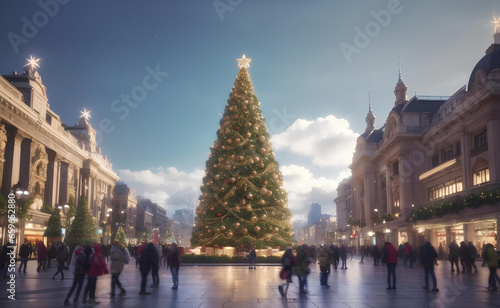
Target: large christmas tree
<point x="83" y="228"/>
<point x="242" y="200"/>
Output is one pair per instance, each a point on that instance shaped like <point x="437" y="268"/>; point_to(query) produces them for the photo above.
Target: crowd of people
<point x="92" y="261"/>
<point x="332" y="256"/>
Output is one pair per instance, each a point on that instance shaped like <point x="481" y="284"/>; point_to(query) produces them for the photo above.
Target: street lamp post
<point x="21" y="196"/>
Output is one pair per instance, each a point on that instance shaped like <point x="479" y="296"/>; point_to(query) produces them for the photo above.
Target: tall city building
<point x="314" y="214"/>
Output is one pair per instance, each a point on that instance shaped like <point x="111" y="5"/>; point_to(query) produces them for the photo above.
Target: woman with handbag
<point x="288" y="261"/>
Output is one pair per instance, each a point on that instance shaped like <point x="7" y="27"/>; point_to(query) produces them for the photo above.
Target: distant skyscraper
<point x="184" y="216"/>
<point x="314" y="214"/>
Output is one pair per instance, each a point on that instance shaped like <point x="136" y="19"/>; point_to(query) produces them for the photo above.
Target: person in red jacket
<point x="97" y="268"/>
<point x="390" y="257"/>
<point x="42" y="255"/>
<point x="173" y="261"/>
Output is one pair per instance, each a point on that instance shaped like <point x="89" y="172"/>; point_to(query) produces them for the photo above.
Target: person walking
<point x="454" y="252"/>
<point x="61" y="261"/>
<point x="375" y="255"/>
<point x="335" y="256"/>
<point x="97" y="268"/>
<point x="303" y="262"/>
<point x="390" y="257"/>
<point x="472" y="252"/>
<point x="343" y="256"/>
<point x="464" y="257"/>
<point x="428" y="257"/>
<point x="441" y="251"/>
<point x="52" y="254"/>
<point x="42" y="255"/>
<point x="119" y="256"/>
<point x="288" y="261"/>
<point x="156" y="269"/>
<point x="164" y="252"/>
<point x="492" y="262"/>
<point x="252" y="256"/>
<point x="148" y="259"/>
<point x="362" y="251"/>
<point x="174" y="261"/>
<point x="323" y="258"/>
<point x="82" y="264"/>
<point x="24" y="253"/>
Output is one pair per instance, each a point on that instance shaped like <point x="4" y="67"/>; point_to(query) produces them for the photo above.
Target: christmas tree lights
<point x="242" y="201"/>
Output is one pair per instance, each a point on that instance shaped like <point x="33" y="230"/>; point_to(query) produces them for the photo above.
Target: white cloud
<point x="303" y="189"/>
<point x="328" y="141"/>
<point x="168" y="187"/>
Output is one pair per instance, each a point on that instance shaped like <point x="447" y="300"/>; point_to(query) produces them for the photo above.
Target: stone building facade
<point x="55" y="163"/>
<point x="432" y="172"/>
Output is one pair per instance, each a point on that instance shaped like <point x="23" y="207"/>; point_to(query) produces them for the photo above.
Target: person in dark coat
<point x="288" y="261"/>
<point x="336" y="257"/>
<point x="42" y="255"/>
<point x="148" y="259"/>
<point x="428" y="257"/>
<point x="82" y="264"/>
<point x="173" y="261"/>
<point x="164" y="253"/>
<point x="390" y="257"/>
<point x="343" y="256"/>
<point x="454" y="252"/>
<point x="24" y="253"/>
<point x="375" y="254"/>
<point x="472" y="251"/>
<point x="52" y="254"/>
<point x="303" y="270"/>
<point x="61" y="260"/>
<point x="464" y="257"/>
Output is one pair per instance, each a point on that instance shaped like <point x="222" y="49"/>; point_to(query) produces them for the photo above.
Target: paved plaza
<point x="236" y="286"/>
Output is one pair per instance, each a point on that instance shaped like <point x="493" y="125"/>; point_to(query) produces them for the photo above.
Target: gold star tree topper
<point x="85" y="114"/>
<point x="32" y="62"/>
<point x="496" y="22"/>
<point x="243" y="62"/>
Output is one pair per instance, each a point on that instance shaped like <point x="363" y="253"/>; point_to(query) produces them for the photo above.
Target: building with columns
<point x="432" y="171"/>
<point x="57" y="164"/>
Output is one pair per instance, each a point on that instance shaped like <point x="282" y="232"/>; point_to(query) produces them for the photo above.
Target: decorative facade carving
<point x="38" y="171"/>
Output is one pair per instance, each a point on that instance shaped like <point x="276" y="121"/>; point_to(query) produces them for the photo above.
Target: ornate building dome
<point x="489" y="62"/>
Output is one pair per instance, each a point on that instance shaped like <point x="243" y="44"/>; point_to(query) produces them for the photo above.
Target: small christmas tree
<point x="83" y="228"/>
<point x="120" y="237"/>
<point x="144" y="238"/>
<point x="243" y="201"/>
<point x="168" y="238"/>
<point x="54" y="225"/>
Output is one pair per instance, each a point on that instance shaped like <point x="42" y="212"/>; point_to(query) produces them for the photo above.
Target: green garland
<point x="388" y="217"/>
<point x="454" y="205"/>
<point x="356" y="222"/>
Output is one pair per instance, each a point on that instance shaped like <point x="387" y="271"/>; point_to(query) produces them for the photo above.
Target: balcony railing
<point x="479" y="150"/>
